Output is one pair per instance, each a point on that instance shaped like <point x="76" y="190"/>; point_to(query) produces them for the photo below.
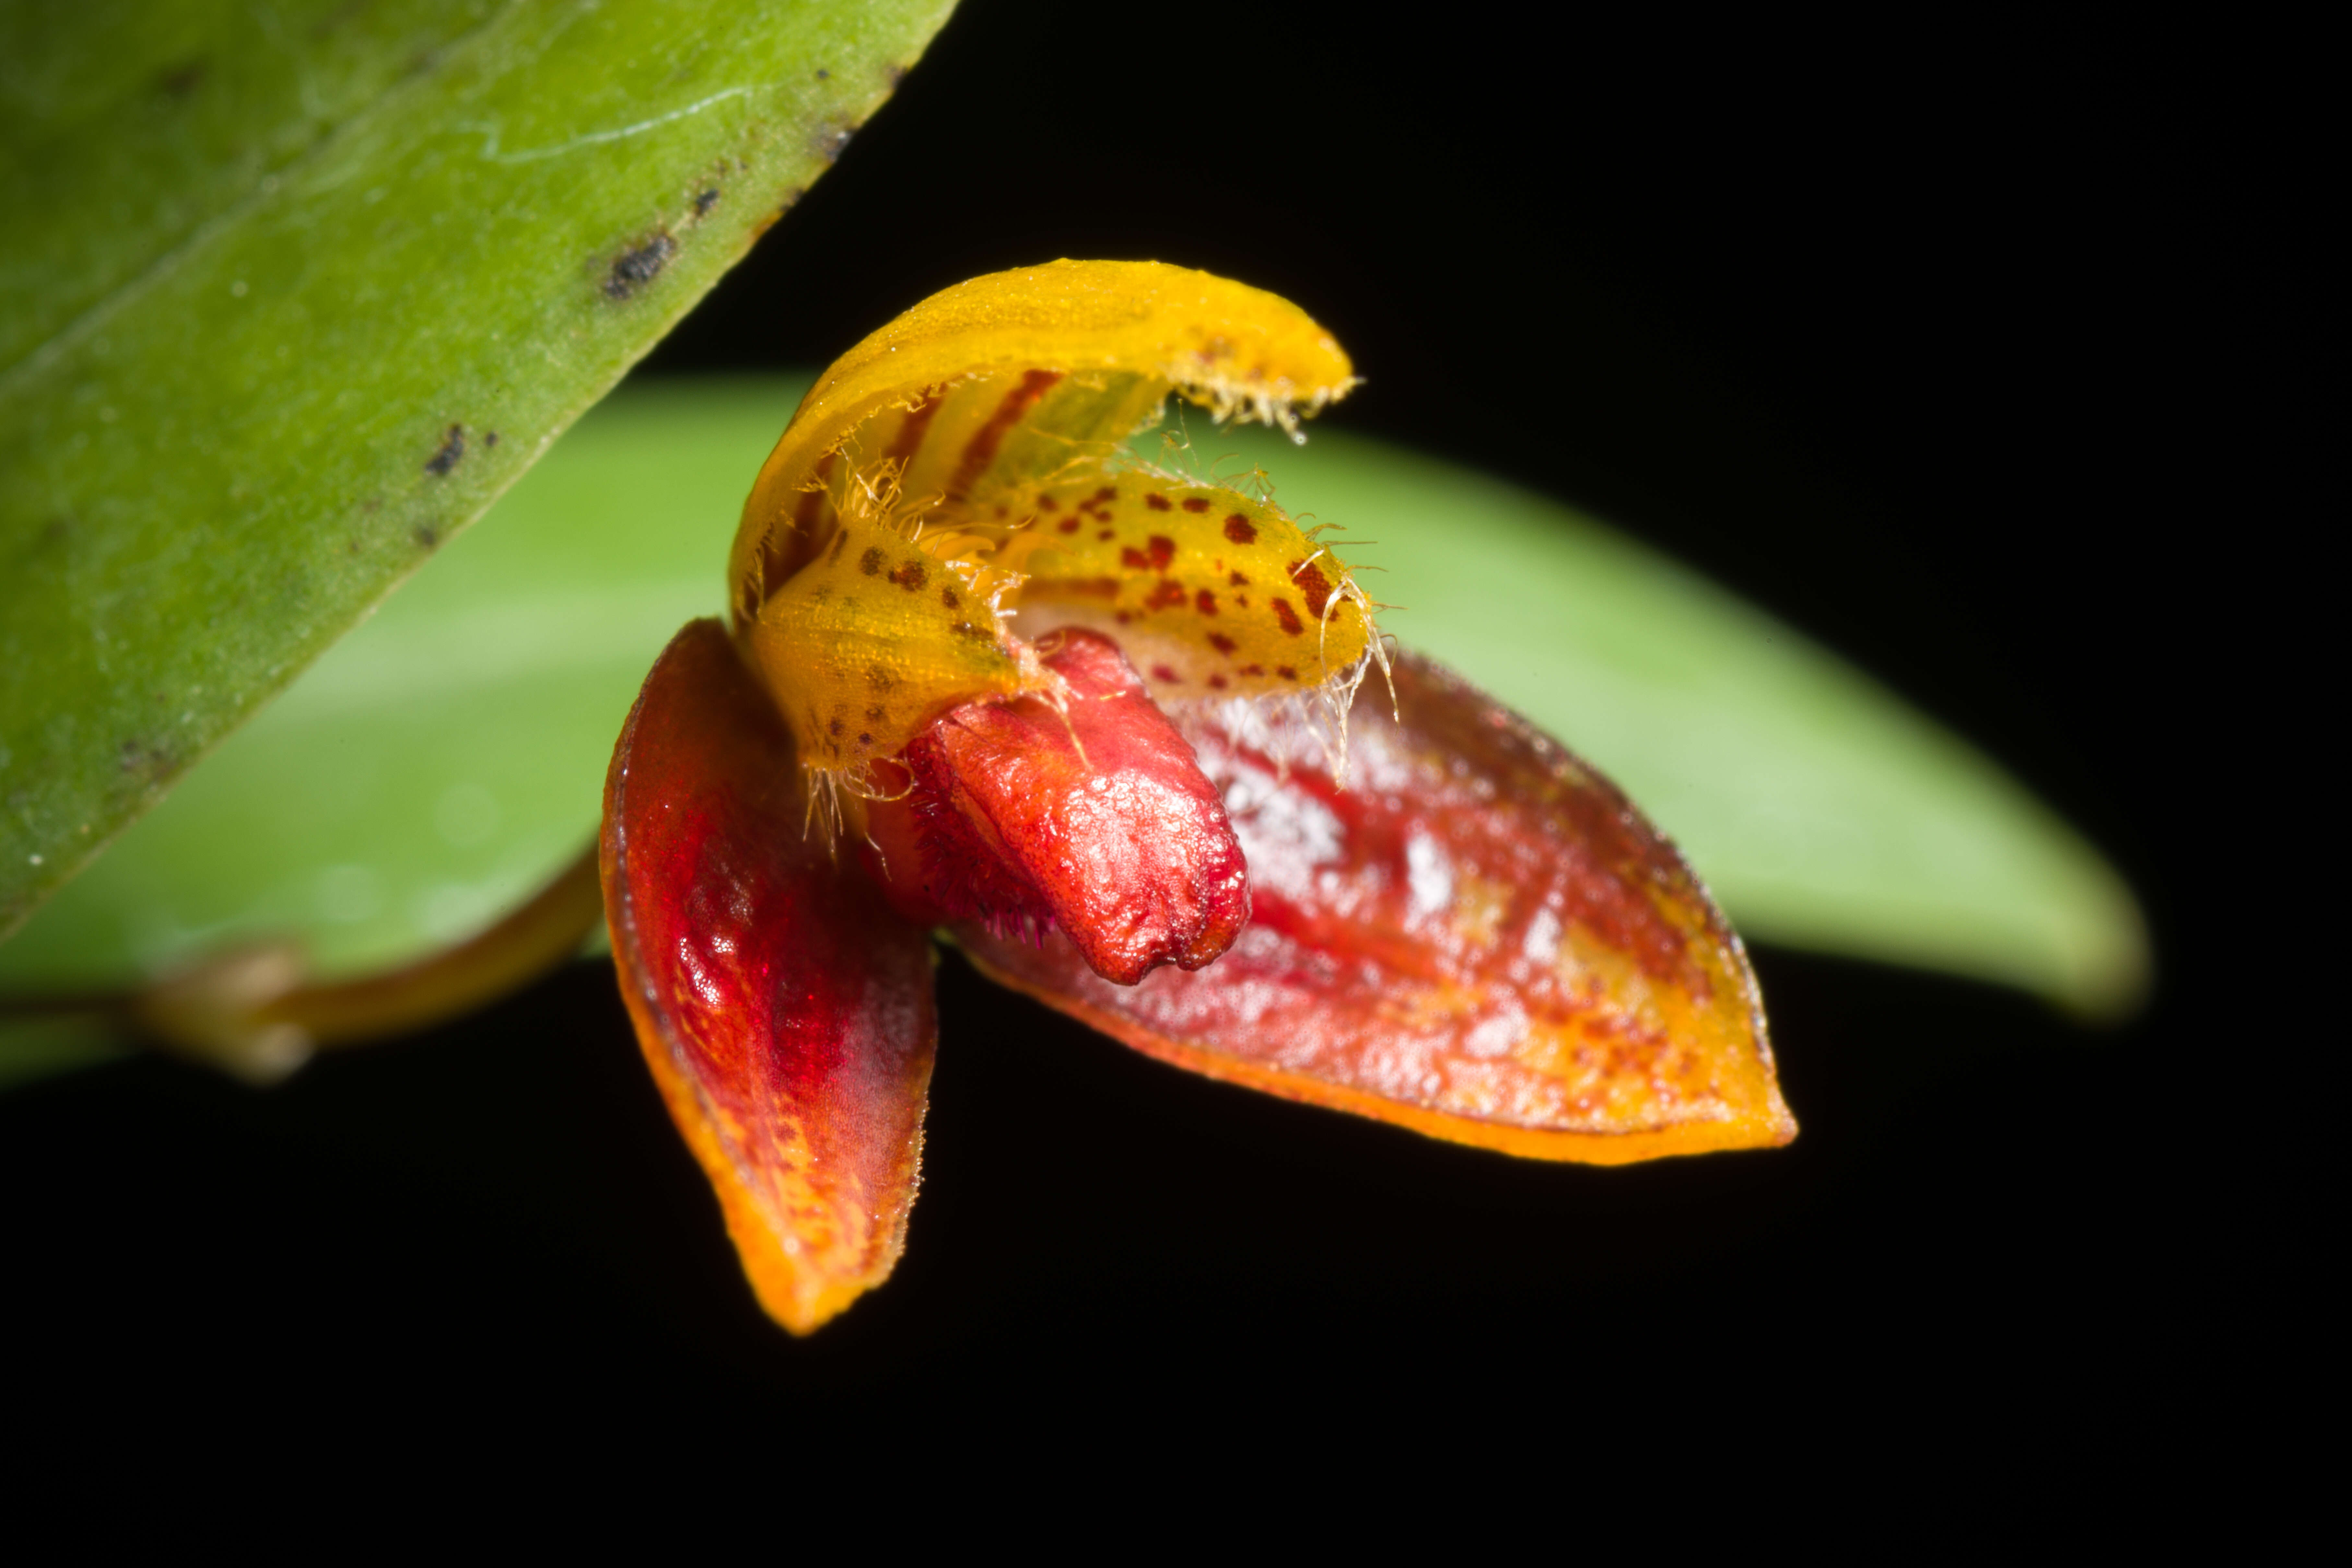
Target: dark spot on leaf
<point x="636" y="268"/>
<point x="1284" y="671"/>
<point x="910" y="575"/>
<point x="1217" y="682"/>
<point x="878" y="713"/>
<point x="145" y="757"/>
<point x="837" y="729"/>
<point x="1238" y="530"/>
<point x="1287" y="616"/>
<point x="327" y="26"/>
<point x="490" y="437"/>
<point x="1069" y="525"/>
<point x="948" y="597"/>
<point x="1221" y="642"/>
<point x="1197" y="503"/>
<point x="1239" y="581"/>
<point x="704" y="201"/>
<point x="871" y="561"/>
<point x="427" y="536"/>
<point x="1134" y="560"/>
<point x="824" y="75"/>
<point x="453" y="449"/>
<point x="53" y="534"/>
<point x="1161" y="672"/>
<point x="182" y="79"/>
<point x="879" y="678"/>
<point x="1205" y="601"/>
<point x="1159" y="503"/>
<point x="864" y="738"/>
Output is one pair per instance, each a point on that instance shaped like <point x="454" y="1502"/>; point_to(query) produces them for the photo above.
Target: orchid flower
<point x="989" y="679"/>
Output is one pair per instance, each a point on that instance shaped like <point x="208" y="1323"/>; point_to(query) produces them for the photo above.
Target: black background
<point x="1927" y="336"/>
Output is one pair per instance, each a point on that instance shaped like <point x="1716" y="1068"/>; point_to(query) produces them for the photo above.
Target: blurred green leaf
<point x="290" y="292"/>
<point x="1823" y="811"/>
<point x="444" y="758"/>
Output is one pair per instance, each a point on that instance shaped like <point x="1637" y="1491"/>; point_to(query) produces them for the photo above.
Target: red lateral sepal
<point x="785" y="1012"/>
<point x="1480" y="939"/>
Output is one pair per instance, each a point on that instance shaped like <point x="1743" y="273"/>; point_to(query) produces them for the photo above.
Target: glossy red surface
<point x="1093" y="819"/>
<point x="786" y="1013"/>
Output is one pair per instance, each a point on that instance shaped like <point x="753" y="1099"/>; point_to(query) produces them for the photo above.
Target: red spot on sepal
<point x="1315" y="587"/>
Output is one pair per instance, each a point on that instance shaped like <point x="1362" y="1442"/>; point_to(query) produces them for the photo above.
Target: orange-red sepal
<point x="1480" y="939"/>
<point x="1092" y="816"/>
<point x="785" y="1012"/>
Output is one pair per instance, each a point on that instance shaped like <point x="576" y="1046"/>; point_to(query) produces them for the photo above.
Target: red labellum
<point x="1480" y="939"/>
<point x="785" y="1012"/>
<point x="1092" y="816"/>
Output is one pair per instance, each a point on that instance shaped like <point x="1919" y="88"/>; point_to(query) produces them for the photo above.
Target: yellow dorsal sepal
<point x="966" y="463"/>
<point x="1074" y="354"/>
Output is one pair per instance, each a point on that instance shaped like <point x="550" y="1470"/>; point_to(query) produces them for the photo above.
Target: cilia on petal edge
<point x="989" y="676"/>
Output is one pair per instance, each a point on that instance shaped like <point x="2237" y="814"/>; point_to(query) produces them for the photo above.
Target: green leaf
<point x="446" y="756"/>
<point x="288" y="295"/>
